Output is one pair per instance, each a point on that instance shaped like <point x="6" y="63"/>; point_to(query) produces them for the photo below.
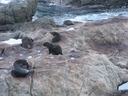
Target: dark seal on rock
<point x="27" y="42"/>
<point x="20" y="68"/>
<point x="68" y="22"/>
<point x="54" y="49"/>
<point x="57" y="37"/>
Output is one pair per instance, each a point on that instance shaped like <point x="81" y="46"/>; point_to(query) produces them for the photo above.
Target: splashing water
<point x="90" y="16"/>
<point x="5" y="1"/>
<point x="12" y="41"/>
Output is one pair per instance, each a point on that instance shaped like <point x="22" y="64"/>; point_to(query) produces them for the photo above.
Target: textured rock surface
<point x="95" y="2"/>
<point x="17" y="11"/>
<point x="119" y="93"/>
<point x="3" y="87"/>
<point x="94" y="61"/>
<point x="109" y="2"/>
<point x="43" y="22"/>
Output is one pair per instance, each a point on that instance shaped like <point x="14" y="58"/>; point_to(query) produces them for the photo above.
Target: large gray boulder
<point x="43" y="22"/>
<point x="17" y="11"/>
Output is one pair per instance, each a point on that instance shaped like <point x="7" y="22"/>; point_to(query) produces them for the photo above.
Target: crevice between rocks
<point x="7" y="86"/>
<point x="14" y="16"/>
<point x="122" y="66"/>
<point x="81" y="88"/>
<point x="4" y="68"/>
<point x="31" y="81"/>
<point x="92" y="92"/>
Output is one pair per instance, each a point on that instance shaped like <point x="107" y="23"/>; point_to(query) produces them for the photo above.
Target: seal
<point x="20" y="68"/>
<point x="27" y="42"/>
<point x="54" y="49"/>
<point x="57" y="37"/>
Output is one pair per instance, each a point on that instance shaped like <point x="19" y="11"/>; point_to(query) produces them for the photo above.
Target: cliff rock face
<point x="17" y="11"/>
<point x="94" y="61"/>
<point x="109" y="2"/>
<point x="96" y="2"/>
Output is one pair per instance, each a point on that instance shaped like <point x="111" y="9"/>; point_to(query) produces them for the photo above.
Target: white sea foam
<point x="98" y="16"/>
<point x="21" y="54"/>
<point x="72" y="58"/>
<point x="12" y="41"/>
<point x="38" y="51"/>
<point x="5" y="1"/>
<point x="1" y="58"/>
<point x="51" y="57"/>
<point x="91" y="16"/>
<point x="70" y="29"/>
<point x="29" y="57"/>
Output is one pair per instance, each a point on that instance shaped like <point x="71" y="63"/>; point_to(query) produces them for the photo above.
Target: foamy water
<point x="98" y="16"/>
<point x="90" y="16"/>
<point x="5" y="1"/>
<point x="12" y="41"/>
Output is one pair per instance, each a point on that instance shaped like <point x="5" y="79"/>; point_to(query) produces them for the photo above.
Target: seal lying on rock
<point x="20" y="68"/>
<point x="54" y="49"/>
<point x="57" y="37"/>
<point x="27" y="42"/>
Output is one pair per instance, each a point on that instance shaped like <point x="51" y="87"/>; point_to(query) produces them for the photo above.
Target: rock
<point x="50" y="10"/>
<point x="4" y="28"/>
<point x="3" y="87"/>
<point x="17" y="11"/>
<point x="76" y="77"/>
<point x="118" y="93"/>
<point x="44" y="22"/>
<point x="94" y="62"/>
<point x="68" y="22"/>
<point x="97" y="2"/>
<point x="87" y="76"/>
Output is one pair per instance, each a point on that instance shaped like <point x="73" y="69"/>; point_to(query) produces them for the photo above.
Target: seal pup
<point x="27" y="42"/>
<point x="57" y="37"/>
<point x="20" y="68"/>
<point x="54" y="49"/>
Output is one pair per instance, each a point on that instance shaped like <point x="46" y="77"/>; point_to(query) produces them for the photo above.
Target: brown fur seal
<point x="18" y="70"/>
<point x="27" y="42"/>
<point x="54" y="49"/>
<point x="57" y="37"/>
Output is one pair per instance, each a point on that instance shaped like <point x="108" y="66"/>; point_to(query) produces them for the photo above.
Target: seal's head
<point x="47" y="44"/>
<point x="27" y="42"/>
<point x="54" y="33"/>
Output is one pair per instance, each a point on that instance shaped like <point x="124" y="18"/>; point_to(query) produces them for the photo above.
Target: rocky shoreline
<point x="94" y="60"/>
<point x="99" y="49"/>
